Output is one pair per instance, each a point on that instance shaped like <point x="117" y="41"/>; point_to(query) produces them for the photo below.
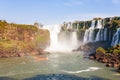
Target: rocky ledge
<point x="110" y="56"/>
<point x="92" y="46"/>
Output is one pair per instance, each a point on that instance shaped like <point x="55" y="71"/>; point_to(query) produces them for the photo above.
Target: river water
<point x="59" y="66"/>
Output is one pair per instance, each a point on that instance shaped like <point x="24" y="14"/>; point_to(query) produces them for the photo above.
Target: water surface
<point x="59" y="66"/>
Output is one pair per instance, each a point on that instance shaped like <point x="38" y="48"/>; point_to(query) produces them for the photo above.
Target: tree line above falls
<point x="20" y="39"/>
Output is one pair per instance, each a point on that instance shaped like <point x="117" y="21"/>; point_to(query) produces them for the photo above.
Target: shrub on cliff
<point x="116" y="51"/>
<point x="100" y="50"/>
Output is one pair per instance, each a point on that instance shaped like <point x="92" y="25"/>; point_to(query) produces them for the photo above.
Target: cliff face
<point x="21" y="39"/>
<point x="94" y="30"/>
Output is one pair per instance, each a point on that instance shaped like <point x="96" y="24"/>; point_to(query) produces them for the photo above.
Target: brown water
<point x="59" y="66"/>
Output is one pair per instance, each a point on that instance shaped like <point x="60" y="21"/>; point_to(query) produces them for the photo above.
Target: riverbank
<point x="17" y="40"/>
<point x="109" y="56"/>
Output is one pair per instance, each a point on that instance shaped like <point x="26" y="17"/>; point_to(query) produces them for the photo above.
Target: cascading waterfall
<point x="69" y="26"/>
<point x="99" y="24"/>
<point x="61" y="45"/>
<point x="86" y="36"/>
<point x="105" y="34"/>
<point x="100" y="35"/>
<point x="90" y="33"/>
<point x="92" y="25"/>
<point x="74" y="39"/>
<point x="116" y="38"/>
<point x="54" y="30"/>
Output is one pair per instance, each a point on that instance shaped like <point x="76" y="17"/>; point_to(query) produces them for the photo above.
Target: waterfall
<point x="105" y="34"/>
<point x="99" y="24"/>
<point x="65" y="42"/>
<point x="54" y="30"/>
<point x="86" y="36"/>
<point x="100" y="35"/>
<point x="93" y="24"/>
<point x="74" y="39"/>
<point x="69" y="26"/>
<point x="89" y="33"/>
<point x="116" y="38"/>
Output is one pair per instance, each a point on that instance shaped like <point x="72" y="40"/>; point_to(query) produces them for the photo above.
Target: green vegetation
<point x="20" y="38"/>
<point x="111" y="50"/>
<point x="100" y="50"/>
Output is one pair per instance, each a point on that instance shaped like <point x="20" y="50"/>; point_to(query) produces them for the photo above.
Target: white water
<point x="57" y="45"/>
<point x="54" y="30"/>
<point x="92" y="25"/>
<point x="99" y="24"/>
<point x="116" y="38"/>
<point x="100" y="35"/>
<point x="90" y="33"/>
<point x="69" y="26"/>
<point x="74" y="40"/>
<point x="105" y="34"/>
<point x="80" y="71"/>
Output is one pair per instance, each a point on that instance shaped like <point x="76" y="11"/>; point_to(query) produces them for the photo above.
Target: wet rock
<point x="91" y="57"/>
<point x="44" y="52"/>
<point x="108" y="65"/>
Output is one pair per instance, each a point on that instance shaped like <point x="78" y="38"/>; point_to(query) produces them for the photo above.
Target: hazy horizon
<point x="56" y="11"/>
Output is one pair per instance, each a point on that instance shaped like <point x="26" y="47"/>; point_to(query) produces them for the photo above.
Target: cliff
<point x="21" y="39"/>
<point x="94" y="32"/>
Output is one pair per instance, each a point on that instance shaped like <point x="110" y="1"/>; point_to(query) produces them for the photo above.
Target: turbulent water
<point x="59" y="66"/>
<point x="69" y="43"/>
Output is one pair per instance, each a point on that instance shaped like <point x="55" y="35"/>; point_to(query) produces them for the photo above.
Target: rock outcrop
<point x="110" y="56"/>
<point x="20" y="39"/>
<point x="92" y="46"/>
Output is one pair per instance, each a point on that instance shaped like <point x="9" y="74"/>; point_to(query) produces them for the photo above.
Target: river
<point x="59" y="66"/>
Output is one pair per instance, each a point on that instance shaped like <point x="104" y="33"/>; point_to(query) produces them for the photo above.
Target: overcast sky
<point x="56" y="11"/>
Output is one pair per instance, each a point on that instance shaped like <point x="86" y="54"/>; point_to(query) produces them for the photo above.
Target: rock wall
<point x="21" y="39"/>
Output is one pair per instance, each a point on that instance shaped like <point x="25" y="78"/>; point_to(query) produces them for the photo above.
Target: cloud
<point x="70" y="3"/>
<point x="116" y="1"/>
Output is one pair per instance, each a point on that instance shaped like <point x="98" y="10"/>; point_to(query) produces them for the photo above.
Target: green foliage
<point x="74" y="25"/>
<point x="100" y="50"/>
<point x="116" y="51"/>
<point x="97" y="18"/>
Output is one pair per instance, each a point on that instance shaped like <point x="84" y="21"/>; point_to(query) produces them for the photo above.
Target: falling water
<point x="54" y="30"/>
<point x="105" y="34"/>
<point x="74" y="40"/>
<point x="93" y="24"/>
<point x="89" y="33"/>
<point x="99" y="24"/>
<point x="116" y="38"/>
<point x="61" y="45"/>
<point x="86" y="36"/>
<point x="100" y="35"/>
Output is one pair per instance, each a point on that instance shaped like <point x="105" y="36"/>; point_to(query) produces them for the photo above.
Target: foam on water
<point x="80" y="71"/>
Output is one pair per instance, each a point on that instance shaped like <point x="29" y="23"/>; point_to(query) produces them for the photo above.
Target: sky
<point x="56" y="11"/>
